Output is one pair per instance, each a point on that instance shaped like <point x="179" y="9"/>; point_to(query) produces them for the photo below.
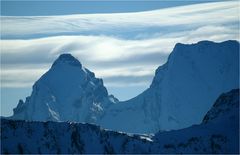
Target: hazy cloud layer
<point x="123" y="48"/>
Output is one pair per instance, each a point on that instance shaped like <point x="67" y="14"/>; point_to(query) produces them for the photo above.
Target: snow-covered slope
<point x="68" y="91"/>
<point x="219" y="133"/>
<point x="182" y="91"/>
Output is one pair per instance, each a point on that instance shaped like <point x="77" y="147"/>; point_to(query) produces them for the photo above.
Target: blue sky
<point x="122" y="42"/>
<point x="43" y="8"/>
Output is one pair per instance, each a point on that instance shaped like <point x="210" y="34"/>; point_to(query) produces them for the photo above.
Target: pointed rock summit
<point x="67" y="59"/>
<point x="67" y="92"/>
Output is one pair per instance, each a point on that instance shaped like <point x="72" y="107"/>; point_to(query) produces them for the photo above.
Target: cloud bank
<point x="122" y="48"/>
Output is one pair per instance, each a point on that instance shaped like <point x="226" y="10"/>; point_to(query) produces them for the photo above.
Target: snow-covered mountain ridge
<point x="181" y="93"/>
<point x="220" y="134"/>
<point x="182" y="90"/>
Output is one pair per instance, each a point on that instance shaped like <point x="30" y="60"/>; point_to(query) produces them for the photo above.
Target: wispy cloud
<point x="20" y="77"/>
<point x="123" y="48"/>
<point x="192" y="16"/>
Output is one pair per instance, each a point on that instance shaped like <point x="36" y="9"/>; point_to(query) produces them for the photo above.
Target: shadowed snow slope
<point x="182" y="91"/>
<point x="219" y="133"/>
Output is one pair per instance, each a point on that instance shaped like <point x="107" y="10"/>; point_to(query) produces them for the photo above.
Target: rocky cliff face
<point x="225" y="105"/>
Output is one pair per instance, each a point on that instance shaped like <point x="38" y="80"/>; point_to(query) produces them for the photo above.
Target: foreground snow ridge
<point x="218" y="133"/>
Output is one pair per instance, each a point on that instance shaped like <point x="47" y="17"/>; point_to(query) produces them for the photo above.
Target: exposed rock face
<point x="224" y="104"/>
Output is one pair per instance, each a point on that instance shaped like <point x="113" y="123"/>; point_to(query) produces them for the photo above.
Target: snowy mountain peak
<point x="185" y="86"/>
<point x="68" y="91"/>
<point x="67" y="59"/>
<point x="196" y="56"/>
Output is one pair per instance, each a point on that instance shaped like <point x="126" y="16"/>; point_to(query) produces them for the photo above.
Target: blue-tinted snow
<point x="217" y="135"/>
